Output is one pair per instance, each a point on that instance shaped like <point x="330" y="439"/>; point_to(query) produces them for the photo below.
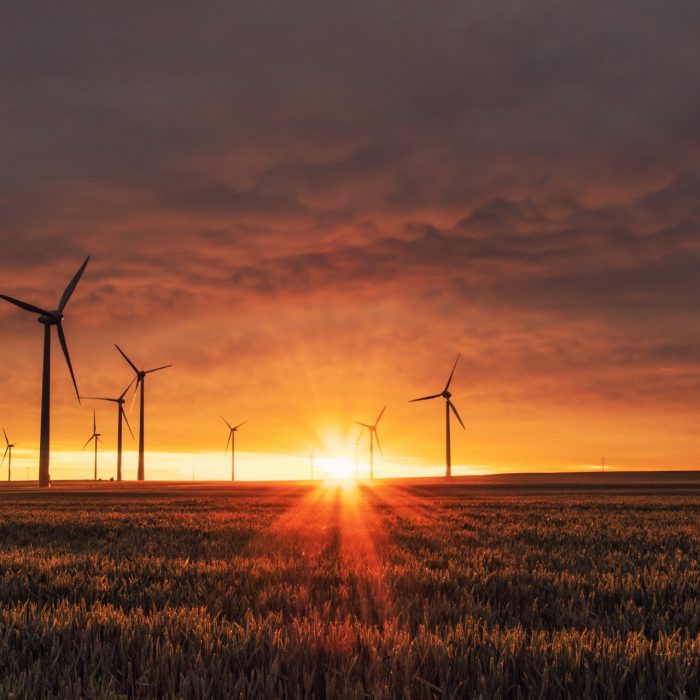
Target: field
<point x="494" y="588"/>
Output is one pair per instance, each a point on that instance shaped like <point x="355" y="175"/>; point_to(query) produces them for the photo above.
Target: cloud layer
<point x="311" y="208"/>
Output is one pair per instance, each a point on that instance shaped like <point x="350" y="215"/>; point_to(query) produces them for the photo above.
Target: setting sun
<point x="335" y="467"/>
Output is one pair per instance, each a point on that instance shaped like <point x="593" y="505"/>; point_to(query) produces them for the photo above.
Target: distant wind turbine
<point x="445" y="394"/>
<point x="121" y="413"/>
<point x="140" y="379"/>
<point x="8" y="454"/>
<point x="372" y="435"/>
<point x="96" y="437"/>
<point x="232" y="440"/>
<point x="48" y="319"/>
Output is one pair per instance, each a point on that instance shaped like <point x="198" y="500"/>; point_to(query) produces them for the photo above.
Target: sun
<point x="336" y="467"/>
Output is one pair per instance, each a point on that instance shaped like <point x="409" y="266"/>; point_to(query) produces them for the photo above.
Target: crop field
<point x="495" y="588"/>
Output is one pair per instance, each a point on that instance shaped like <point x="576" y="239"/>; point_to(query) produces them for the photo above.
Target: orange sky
<point x="311" y="213"/>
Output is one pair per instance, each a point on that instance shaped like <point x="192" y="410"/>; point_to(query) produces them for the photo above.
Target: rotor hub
<point x="51" y="318"/>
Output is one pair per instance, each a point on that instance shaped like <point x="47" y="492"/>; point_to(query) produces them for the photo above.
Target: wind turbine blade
<point x="157" y="369"/>
<point x="236" y="427"/>
<point x="228" y="442"/>
<point x="136" y="391"/>
<point x="24" y="305"/>
<point x="379" y="444"/>
<point x="230" y="427"/>
<point x="425" y="398"/>
<point x="123" y="394"/>
<point x="64" y="346"/>
<point x="364" y="425"/>
<point x="72" y="285"/>
<point x="5" y="434"/>
<point x="381" y="413"/>
<point x="359" y="437"/>
<point x="99" y="398"/>
<point x="454" y="410"/>
<point x="94" y="422"/>
<point x="447" y="386"/>
<point x="5" y="455"/>
<point x="88" y="442"/>
<point x="121" y="408"/>
<point x="123" y="354"/>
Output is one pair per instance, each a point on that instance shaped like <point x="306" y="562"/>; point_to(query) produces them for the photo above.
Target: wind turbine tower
<point x="232" y="440"/>
<point x="96" y="437"/>
<point x="8" y="454"/>
<point x="449" y="406"/>
<point x="49" y="319"/>
<point x="141" y="379"/>
<point x="120" y="414"/>
<point x="372" y="436"/>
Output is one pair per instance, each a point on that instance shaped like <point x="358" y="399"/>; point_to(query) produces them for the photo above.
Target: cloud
<point x="296" y="185"/>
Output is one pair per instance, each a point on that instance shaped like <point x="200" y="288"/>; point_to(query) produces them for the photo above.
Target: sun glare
<point x="336" y="467"/>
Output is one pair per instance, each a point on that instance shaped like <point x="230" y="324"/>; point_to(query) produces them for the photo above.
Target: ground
<point x="573" y="586"/>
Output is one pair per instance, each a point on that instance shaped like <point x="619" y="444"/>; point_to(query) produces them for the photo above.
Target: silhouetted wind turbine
<point x="96" y="437"/>
<point x="372" y="435"/>
<point x="140" y="379"/>
<point x="8" y="454"/>
<point x="232" y="440"/>
<point x="50" y="318"/>
<point x="120" y="414"/>
<point x="448" y="405"/>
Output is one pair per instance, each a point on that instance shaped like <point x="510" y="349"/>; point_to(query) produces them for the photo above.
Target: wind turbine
<point x="120" y="414"/>
<point x="445" y="393"/>
<point x="8" y="454"/>
<point x="232" y="440"/>
<point x="140" y="379"/>
<point x="48" y="319"/>
<point x="96" y="437"/>
<point x="372" y="435"/>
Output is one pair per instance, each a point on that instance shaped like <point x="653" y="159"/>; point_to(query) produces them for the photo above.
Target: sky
<point x="311" y="208"/>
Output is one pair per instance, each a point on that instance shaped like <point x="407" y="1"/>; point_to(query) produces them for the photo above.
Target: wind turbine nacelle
<point x="51" y="318"/>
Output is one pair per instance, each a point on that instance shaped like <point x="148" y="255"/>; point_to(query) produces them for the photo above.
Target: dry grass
<point x="395" y="591"/>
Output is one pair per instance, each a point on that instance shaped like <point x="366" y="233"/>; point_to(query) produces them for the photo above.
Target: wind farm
<point x="435" y="273"/>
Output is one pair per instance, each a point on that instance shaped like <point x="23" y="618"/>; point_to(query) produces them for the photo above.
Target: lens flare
<point x="335" y="467"/>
